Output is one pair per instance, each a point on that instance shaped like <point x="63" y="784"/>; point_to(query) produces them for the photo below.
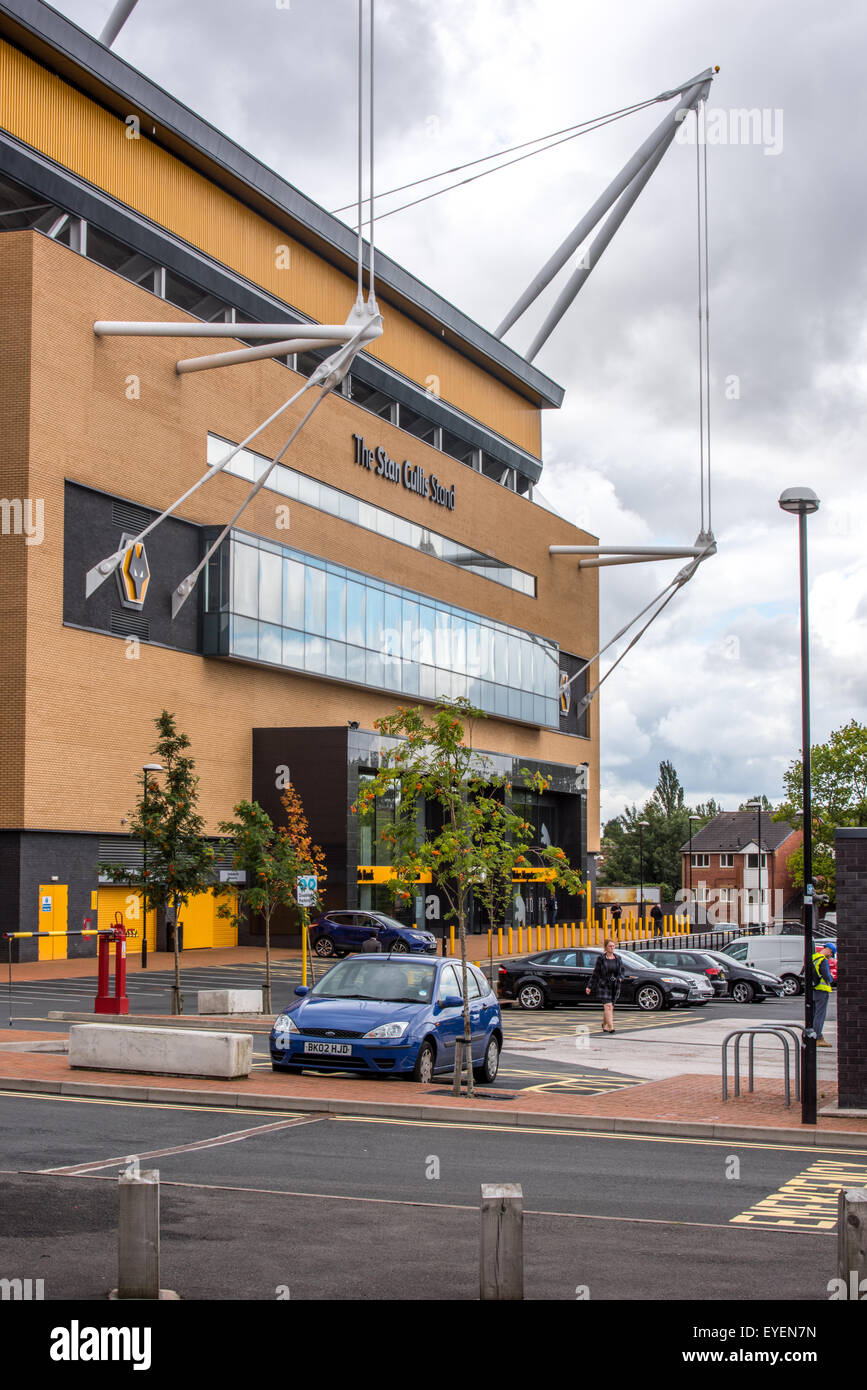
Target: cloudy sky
<point x="714" y="685"/>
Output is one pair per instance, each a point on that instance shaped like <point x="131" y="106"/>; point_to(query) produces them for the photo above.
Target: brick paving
<point x="687" y="1099"/>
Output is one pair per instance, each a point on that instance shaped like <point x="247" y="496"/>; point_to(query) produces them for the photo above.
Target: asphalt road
<point x="345" y="1208"/>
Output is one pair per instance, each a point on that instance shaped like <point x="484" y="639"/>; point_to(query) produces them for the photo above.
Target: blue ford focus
<point x="380" y="1014"/>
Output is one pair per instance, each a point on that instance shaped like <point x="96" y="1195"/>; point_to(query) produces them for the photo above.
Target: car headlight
<point x="673" y="980"/>
<point x="285" y="1024"/>
<point x="388" y="1030"/>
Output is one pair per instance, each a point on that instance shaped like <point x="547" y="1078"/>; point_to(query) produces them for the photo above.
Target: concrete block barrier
<point x="160" y="1051"/>
<point x="230" y="1001"/>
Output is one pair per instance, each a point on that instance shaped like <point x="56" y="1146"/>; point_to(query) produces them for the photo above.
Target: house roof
<point x="731" y="831"/>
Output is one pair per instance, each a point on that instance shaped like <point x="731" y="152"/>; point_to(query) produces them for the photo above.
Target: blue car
<point x="379" y="1014"/>
<point x="339" y="932"/>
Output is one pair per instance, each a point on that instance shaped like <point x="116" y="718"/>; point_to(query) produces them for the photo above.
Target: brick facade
<point x="851" y="855"/>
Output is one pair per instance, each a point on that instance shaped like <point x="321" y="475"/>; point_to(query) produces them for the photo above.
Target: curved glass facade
<point x="266" y="602"/>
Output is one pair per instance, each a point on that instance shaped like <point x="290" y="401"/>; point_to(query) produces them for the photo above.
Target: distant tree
<point x="303" y="858"/>
<point x="667" y="816"/>
<point x="669" y="792"/>
<point x="766" y="804"/>
<point x="838" y="781"/>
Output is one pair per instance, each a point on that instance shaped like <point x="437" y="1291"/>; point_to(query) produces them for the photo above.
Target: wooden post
<point x="138" y="1235"/>
<point x="852" y="1239"/>
<point x="501" y="1242"/>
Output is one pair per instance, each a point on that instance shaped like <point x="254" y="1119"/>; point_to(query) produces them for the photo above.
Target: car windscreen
<point x="392" y="922"/>
<point x="411" y="982"/>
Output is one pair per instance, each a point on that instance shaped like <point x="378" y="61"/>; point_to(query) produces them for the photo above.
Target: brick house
<point x="729" y="877"/>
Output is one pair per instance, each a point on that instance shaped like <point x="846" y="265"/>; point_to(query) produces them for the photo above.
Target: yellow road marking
<point x="808" y="1201"/>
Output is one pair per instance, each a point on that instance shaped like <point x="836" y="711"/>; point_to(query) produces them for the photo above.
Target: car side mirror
<point x="302" y="989"/>
<point x="451" y="1001"/>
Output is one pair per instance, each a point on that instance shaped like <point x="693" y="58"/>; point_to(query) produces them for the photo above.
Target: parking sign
<point x="306" y="891"/>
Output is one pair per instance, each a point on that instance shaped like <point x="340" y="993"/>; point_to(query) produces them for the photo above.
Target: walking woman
<point x="606" y="977"/>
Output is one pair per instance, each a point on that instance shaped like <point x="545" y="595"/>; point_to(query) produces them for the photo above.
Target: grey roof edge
<point x="83" y="61"/>
<point x="850" y="832"/>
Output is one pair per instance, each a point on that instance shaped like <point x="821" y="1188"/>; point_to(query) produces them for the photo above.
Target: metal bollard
<point x="852" y="1239"/>
<point x="501" y="1242"/>
<point x="138" y="1234"/>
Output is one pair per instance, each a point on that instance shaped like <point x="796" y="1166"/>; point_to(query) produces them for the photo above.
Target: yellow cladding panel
<point x="47" y="113"/>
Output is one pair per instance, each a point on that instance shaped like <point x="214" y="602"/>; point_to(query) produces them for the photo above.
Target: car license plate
<point x="329" y="1049"/>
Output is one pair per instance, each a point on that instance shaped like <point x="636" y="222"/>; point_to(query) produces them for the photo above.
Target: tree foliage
<point x="268" y="860"/>
<point x="838" y="785"/>
<point x="659" y="845"/>
<point x="179" y="856"/>
<point x="480" y="839"/>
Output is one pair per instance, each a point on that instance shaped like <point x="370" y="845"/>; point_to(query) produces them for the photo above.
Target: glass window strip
<point x="370" y="632"/>
<point x="323" y="497"/>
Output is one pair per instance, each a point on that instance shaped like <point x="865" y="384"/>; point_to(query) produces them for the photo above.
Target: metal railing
<point x="781" y="1031"/>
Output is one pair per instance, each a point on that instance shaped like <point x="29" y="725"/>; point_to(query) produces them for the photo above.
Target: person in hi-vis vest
<point x="821" y="993"/>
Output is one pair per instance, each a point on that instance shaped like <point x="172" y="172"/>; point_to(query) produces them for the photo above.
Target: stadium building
<point x="397" y="555"/>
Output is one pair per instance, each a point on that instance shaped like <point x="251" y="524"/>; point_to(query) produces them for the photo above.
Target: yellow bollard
<point x="511" y="952"/>
<point x="499" y="941"/>
<point x="490" y="943"/>
<point x="520" y="938"/>
<point x="574" y="942"/>
<point x="452" y="939"/>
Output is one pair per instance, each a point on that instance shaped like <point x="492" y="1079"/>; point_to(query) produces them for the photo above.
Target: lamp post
<point x="146" y="768"/>
<point x="802" y="502"/>
<point x="642" y="825"/>
<point x="691" y="819"/>
<point x="757" y="806"/>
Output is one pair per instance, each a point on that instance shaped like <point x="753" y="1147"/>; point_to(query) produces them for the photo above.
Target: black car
<point x="694" y="962"/>
<point x="550" y="978"/>
<point x="748" y="984"/>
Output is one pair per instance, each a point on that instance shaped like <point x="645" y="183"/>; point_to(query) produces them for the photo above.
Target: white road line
<point x="464" y="1206"/>
<point x="81" y="1169"/>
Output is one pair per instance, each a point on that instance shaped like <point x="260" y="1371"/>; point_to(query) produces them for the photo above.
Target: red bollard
<point x="118" y="1003"/>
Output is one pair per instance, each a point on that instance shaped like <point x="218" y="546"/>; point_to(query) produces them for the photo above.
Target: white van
<point x="780" y="955"/>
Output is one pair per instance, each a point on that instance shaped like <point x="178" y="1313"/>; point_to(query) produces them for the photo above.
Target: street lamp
<point x="691" y="819"/>
<point x="757" y="806"/>
<point x="802" y="502"/>
<point x="146" y="768"/>
<point x="642" y="825"/>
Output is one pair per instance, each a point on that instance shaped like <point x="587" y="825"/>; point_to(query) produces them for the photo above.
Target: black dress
<point x="606" y="978"/>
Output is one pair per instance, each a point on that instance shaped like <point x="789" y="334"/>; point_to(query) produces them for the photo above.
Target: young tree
<point x="437" y="763"/>
<point x="301" y="856"/>
<point x="268" y="860"/>
<point x="180" y="858"/>
<point x="838" y="783"/>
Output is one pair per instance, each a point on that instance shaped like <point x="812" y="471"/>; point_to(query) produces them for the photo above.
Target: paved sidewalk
<point x="688" y="1105"/>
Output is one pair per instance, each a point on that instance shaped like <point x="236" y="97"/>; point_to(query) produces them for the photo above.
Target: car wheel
<point x="424" y="1064"/>
<point x="649" y="998"/>
<point x="487" y="1072"/>
<point x="531" y="997"/>
<point x="791" y="985"/>
<point x="399" y="948"/>
<point x="743" y="992"/>
<point x="324" y="946"/>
